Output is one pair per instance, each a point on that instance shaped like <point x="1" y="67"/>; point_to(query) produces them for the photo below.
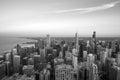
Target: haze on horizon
<point x="59" y="17"/>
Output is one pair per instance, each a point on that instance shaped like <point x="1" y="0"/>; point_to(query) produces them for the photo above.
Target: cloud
<point x="89" y="9"/>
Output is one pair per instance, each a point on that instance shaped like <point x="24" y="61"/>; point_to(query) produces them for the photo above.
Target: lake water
<point x="7" y="43"/>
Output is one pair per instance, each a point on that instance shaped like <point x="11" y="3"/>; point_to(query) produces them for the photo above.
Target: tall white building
<point x="90" y="59"/>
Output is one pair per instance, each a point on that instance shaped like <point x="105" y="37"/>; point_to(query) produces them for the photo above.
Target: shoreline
<point x="30" y="41"/>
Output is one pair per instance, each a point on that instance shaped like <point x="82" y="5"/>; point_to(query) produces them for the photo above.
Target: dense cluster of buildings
<point x="51" y="59"/>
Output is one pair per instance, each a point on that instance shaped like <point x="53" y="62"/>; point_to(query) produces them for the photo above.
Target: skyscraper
<point x="114" y="73"/>
<point x="16" y="63"/>
<point x="42" y="55"/>
<point x="118" y="59"/>
<point x="2" y="70"/>
<point x="88" y="46"/>
<point x="44" y="74"/>
<point x="48" y="42"/>
<point x="8" y="68"/>
<point x="8" y="57"/>
<point x="14" y="51"/>
<point x="74" y="58"/>
<point x="80" y="54"/>
<point x="103" y="56"/>
<point x="28" y="70"/>
<point x="76" y="41"/>
<point x="93" y="72"/>
<point x="36" y="62"/>
<point x="64" y="72"/>
<point x="90" y="59"/>
<point x="84" y="55"/>
<point x="68" y="55"/>
<point x="94" y="43"/>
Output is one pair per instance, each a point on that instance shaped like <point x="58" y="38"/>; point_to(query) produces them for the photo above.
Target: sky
<point x="59" y="17"/>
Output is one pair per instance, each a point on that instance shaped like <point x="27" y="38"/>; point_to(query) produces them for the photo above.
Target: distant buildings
<point x="50" y="59"/>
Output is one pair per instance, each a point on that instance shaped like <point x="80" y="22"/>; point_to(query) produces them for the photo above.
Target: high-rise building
<point x="58" y="49"/>
<point x="68" y="55"/>
<point x="76" y="41"/>
<point x="80" y="54"/>
<point x="88" y="73"/>
<point x="16" y="63"/>
<point x="103" y="56"/>
<point x="30" y="61"/>
<point x="88" y="46"/>
<point x="36" y="62"/>
<point x="2" y="57"/>
<point x="68" y="58"/>
<point x="110" y="53"/>
<point x="44" y="75"/>
<point x="94" y="43"/>
<point x="48" y="42"/>
<point x="61" y="54"/>
<point x="64" y="49"/>
<point x="58" y="61"/>
<point x="28" y="70"/>
<point x="65" y="72"/>
<point x="18" y="49"/>
<point x="118" y="59"/>
<point x="75" y="58"/>
<point x="90" y="59"/>
<point x="55" y="53"/>
<point x="83" y="71"/>
<point x="99" y="49"/>
<point x="25" y="61"/>
<point x="93" y="72"/>
<point x="8" y="57"/>
<point x="113" y="47"/>
<point x="37" y="75"/>
<point x="8" y="68"/>
<point x="48" y="51"/>
<point x="2" y="70"/>
<point x="42" y="55"/>
<point x="84" y="55"/>
<point x="40" y="44"/>
<point x="14" y="51"/>
<point x="114" y="73"/>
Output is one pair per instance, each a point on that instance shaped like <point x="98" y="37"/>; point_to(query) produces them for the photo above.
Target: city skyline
<point x="60" y="17"/>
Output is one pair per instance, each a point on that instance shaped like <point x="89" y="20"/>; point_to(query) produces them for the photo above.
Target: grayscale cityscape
<point x="59" y="40"/>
